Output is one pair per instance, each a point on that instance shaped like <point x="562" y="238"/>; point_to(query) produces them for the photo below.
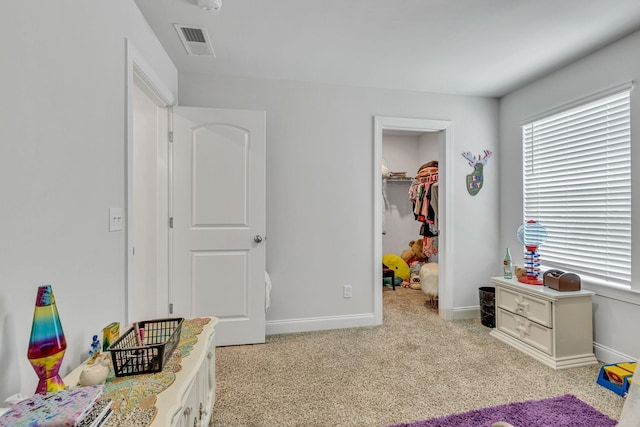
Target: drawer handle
<point x="203" y="412"/>
<point x="521" y="306"/>
<point x="523" y="327"/>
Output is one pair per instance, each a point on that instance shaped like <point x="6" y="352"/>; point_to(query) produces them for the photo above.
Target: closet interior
<point x="410" y="186"/>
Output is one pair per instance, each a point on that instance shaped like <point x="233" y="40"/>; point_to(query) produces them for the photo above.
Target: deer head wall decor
<point x="476" y="179"/>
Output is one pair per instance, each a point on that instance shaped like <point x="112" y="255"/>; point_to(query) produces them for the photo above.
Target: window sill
<point x="620" y="293"/>
<point x="606" y="290"/>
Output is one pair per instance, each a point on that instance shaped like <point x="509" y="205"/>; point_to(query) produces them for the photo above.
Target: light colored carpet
<point x="415" y="366"/>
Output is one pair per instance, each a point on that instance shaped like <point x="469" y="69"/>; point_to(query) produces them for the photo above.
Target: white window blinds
<point x="577" y="184"/>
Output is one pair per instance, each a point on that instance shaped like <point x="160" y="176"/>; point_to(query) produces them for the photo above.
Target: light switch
<point x="115" y="219"/>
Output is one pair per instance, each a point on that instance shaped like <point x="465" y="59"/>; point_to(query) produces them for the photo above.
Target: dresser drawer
<point x="535" y="309"/>
<point x="526" y="331"/>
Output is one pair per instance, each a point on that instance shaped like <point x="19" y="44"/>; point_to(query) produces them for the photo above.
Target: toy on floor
<point x="617" y="377"/>
<point x="414" y="279"/>
<point x="429" y="282"/>
<point x="397" y="281"/>
<point x="398" y="265"/>
<point x="416" y="252"/>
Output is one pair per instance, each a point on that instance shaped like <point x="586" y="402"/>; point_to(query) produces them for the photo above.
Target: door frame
<point x="139" y="72"/>
<point x="445" y="214"/>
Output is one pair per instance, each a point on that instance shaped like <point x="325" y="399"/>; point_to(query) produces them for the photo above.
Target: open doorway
<point x="406" y="126"/>
<point x="410" y="189"/>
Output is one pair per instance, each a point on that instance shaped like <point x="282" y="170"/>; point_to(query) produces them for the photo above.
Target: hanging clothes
<point x="423" y="193"/>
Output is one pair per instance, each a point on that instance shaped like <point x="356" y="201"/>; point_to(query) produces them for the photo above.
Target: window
<point x="577" y="184"/>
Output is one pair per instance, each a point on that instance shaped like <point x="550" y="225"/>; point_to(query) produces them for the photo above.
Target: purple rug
<point x="565" y="410"/>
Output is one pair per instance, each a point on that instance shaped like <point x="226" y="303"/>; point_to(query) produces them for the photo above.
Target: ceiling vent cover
<point x="195" y="40"/>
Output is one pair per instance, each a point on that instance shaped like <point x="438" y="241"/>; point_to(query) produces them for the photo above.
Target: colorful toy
<point x="95" y="349"/>
<point x="531" y="234"/>
<point x="414" y="280"/>
<point x="617" y="377"/>
<point x="398" y="265"/>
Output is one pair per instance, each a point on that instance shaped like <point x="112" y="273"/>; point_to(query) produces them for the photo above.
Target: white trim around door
<point x="140" y="73"/>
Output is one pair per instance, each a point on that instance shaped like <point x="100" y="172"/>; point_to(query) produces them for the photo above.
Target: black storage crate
<point x="161" y="337"/>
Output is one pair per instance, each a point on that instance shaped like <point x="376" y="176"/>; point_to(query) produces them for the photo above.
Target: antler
<point x="467" y="155"/>
<point x="487" y="154"/>
<point x="473" y="160"/>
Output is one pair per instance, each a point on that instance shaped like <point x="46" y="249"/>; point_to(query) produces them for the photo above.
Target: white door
<point x="218" y="210"/>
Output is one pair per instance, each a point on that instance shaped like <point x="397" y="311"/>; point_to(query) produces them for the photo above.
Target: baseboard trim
<point x="608" y="355"/>
<point x="309" y="324"/>
<point x="460" y="313"/>
<point x="289" y="326"/>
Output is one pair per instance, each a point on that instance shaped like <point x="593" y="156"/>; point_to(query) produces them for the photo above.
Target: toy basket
<point x="160" y="338"/>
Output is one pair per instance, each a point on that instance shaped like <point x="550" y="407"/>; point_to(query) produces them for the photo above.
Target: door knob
<point x="257" y="238"/>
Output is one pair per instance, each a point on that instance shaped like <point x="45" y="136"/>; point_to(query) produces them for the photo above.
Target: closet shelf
<point x="407" y="179"/>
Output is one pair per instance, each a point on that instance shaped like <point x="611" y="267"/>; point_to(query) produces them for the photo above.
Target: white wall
<point x="429" y="146"/>
<point x="62" y="165"/>
<point x="320" y="190"/>
<point x="606" y="68"/>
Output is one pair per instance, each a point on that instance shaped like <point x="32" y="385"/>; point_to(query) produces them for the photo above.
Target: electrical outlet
<point x="346" y="291"/>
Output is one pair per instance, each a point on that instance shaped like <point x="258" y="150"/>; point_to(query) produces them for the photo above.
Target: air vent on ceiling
<point x="195" y="40"/>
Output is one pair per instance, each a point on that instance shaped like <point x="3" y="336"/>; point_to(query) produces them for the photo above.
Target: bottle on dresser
<point x="508" y="274"/>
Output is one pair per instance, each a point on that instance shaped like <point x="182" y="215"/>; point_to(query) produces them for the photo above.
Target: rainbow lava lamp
<point x="47" y="343"/>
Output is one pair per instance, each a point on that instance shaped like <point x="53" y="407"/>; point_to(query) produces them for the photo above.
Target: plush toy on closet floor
<point x="415" y="253"/>
<point x="398" y="265"/>
<point x="414" y="279"/>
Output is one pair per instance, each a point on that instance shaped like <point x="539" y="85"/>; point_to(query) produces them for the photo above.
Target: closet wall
<point x="404" y="152"/>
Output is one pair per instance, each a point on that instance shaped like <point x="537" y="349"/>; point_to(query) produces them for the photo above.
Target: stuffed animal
<point x="415" y="253"/>
<point x="520" y="272"/>
<point x="414" y="280"/>
<point x="398" y="265"/>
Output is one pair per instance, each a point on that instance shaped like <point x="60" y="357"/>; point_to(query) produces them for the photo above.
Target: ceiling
<point x="465" y="47"/>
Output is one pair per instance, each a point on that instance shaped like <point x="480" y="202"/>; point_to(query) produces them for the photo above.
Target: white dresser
<point x="189" y="400"/>
<point x="553" y="327"/>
